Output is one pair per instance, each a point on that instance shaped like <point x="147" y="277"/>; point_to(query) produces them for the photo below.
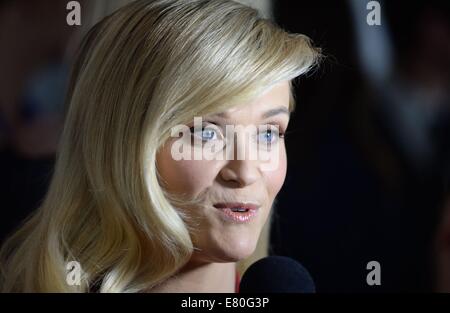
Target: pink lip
<point x="230" y="205"/>
<point x="237" y="217"/>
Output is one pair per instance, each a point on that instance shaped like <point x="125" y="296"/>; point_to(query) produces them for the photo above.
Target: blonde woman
<point x="122" y="204"/>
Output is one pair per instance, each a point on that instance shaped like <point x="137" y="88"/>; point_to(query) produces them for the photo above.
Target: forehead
<point x="275" y="98"/>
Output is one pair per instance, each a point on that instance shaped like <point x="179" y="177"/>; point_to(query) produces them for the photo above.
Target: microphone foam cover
<point x="276" y="274"/>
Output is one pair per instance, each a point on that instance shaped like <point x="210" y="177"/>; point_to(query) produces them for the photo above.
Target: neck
<point x="202" y="278"/>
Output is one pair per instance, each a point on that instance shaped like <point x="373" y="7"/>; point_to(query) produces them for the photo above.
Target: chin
<point x="226" y="247"/>
<point x="237" y="251"/>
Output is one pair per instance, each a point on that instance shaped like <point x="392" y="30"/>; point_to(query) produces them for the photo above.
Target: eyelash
<point x="281" y="134"/>
<point x="205" y="125"/>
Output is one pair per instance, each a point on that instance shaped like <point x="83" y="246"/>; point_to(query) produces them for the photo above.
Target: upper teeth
<point x="238" y="209"/>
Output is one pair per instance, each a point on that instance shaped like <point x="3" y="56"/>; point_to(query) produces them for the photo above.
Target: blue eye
<point x="208" y="134"/>
<point x="205" y="134"/>
<point x="269" y="136"/>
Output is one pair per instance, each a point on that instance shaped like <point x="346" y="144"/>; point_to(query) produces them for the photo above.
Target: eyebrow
<point x="273" y="112"/>
<point x="267" y="114"/>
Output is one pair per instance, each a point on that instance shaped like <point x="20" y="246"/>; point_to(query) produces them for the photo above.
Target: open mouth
<point x="237" y="207"/>
<point x="237" y="212"/>
<point x="242" y="210"/>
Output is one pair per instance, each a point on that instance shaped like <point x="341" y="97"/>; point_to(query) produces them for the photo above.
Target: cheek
<point x="274" y="179"/>
<point x="185" y="176"/>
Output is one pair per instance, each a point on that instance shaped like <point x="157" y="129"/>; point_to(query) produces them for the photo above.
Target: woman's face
<point x="237" y="181"/>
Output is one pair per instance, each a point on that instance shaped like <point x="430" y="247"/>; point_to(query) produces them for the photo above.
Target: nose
<point x="240" y="172"/>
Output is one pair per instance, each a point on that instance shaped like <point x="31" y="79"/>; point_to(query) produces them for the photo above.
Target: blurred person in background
<point x="33" y="40"/>
<point x="370" y="137"/>
<point x="38" y="48"/>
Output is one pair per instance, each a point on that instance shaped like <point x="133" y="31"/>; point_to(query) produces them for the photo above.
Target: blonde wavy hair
<point x="140" y="71"/>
